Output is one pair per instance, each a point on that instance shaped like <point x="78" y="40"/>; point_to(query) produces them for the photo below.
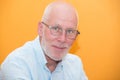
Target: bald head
<point x="60" y="10"/>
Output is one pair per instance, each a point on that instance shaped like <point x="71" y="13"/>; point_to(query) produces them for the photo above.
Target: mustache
<point x="62" y="45"/>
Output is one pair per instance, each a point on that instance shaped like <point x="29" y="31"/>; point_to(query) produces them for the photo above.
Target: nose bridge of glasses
<point x="64" y="32"/>
<point x="62" y="36"/>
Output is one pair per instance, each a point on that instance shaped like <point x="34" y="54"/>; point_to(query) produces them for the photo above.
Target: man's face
<point x="56" y="47"/>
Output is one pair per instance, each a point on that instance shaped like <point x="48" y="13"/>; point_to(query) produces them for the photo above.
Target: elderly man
<point x="47" y="57"/>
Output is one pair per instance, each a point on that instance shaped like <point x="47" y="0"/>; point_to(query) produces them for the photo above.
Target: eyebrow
<point x="66" y="28"/>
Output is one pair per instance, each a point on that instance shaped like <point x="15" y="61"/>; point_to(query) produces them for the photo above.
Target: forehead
<point x="62" y="14"/>
<point x="62" y="23"/>
<point x="64" y="20"/>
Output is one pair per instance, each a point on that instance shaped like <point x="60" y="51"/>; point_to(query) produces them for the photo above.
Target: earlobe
<point x="40" y="29"/>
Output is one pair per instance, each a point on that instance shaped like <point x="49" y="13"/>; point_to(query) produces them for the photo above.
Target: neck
<point x="51" y="64"/>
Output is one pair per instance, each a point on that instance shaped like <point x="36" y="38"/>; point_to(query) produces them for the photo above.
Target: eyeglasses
<point x="57" y="31"/>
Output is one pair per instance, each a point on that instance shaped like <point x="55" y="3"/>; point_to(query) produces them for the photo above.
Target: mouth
<point x="58" y="47"/>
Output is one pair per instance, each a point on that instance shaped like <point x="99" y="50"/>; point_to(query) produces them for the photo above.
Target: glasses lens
<point x="72" y="34"/>
<point x="56" y="30"/>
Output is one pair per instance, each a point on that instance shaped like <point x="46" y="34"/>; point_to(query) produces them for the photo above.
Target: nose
<point x="62" y="37"/>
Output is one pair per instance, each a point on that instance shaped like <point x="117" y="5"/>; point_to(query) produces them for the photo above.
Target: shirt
<point x="1" y="74"/>
<point x="29" y="63"/>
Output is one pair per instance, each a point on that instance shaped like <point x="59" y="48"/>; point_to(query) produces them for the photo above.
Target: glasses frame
<point x="61" y="28"/>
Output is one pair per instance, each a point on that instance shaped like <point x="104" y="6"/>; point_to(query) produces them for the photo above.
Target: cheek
<point x="70" y="42"/>
<point x="48" y="36"/>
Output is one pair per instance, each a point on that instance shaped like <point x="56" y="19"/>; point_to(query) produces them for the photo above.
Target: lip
<point x="57" y="47"/>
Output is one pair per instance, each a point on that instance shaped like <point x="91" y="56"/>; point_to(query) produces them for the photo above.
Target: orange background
<point x="98" y="44"/>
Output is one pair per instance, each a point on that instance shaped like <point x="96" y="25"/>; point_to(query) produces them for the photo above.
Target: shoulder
<point x="73" y="59"/>
<point x="18" y="62"/>
<point x="22" y="51"/>
<point x="20" y="55"/>
<point x="21" y="62"/>
<point x="73" y="64"/>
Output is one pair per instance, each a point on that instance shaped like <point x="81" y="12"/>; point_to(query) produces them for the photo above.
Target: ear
<point x="40" y="29"/>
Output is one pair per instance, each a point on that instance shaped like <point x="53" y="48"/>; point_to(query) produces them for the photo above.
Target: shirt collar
<point x="38" y="51"/>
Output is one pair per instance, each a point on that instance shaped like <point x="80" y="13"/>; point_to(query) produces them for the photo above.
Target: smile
<point x="59" y="47"/>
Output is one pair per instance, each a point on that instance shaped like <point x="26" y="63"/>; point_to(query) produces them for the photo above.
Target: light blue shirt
<point x="29" y="63"/>
<point x="1" y="75"/>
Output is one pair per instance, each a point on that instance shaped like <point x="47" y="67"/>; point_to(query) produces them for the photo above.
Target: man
<point x="47" y="57"/>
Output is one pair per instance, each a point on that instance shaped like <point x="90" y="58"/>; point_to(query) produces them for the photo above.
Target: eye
<point x="55" y="28"/>
<point x="70" y="31"/>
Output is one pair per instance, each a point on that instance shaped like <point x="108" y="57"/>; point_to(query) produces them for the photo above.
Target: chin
<point x="58" y="58"/>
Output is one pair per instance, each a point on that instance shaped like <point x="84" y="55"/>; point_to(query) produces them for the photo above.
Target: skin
<point x="55" y="48"/>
